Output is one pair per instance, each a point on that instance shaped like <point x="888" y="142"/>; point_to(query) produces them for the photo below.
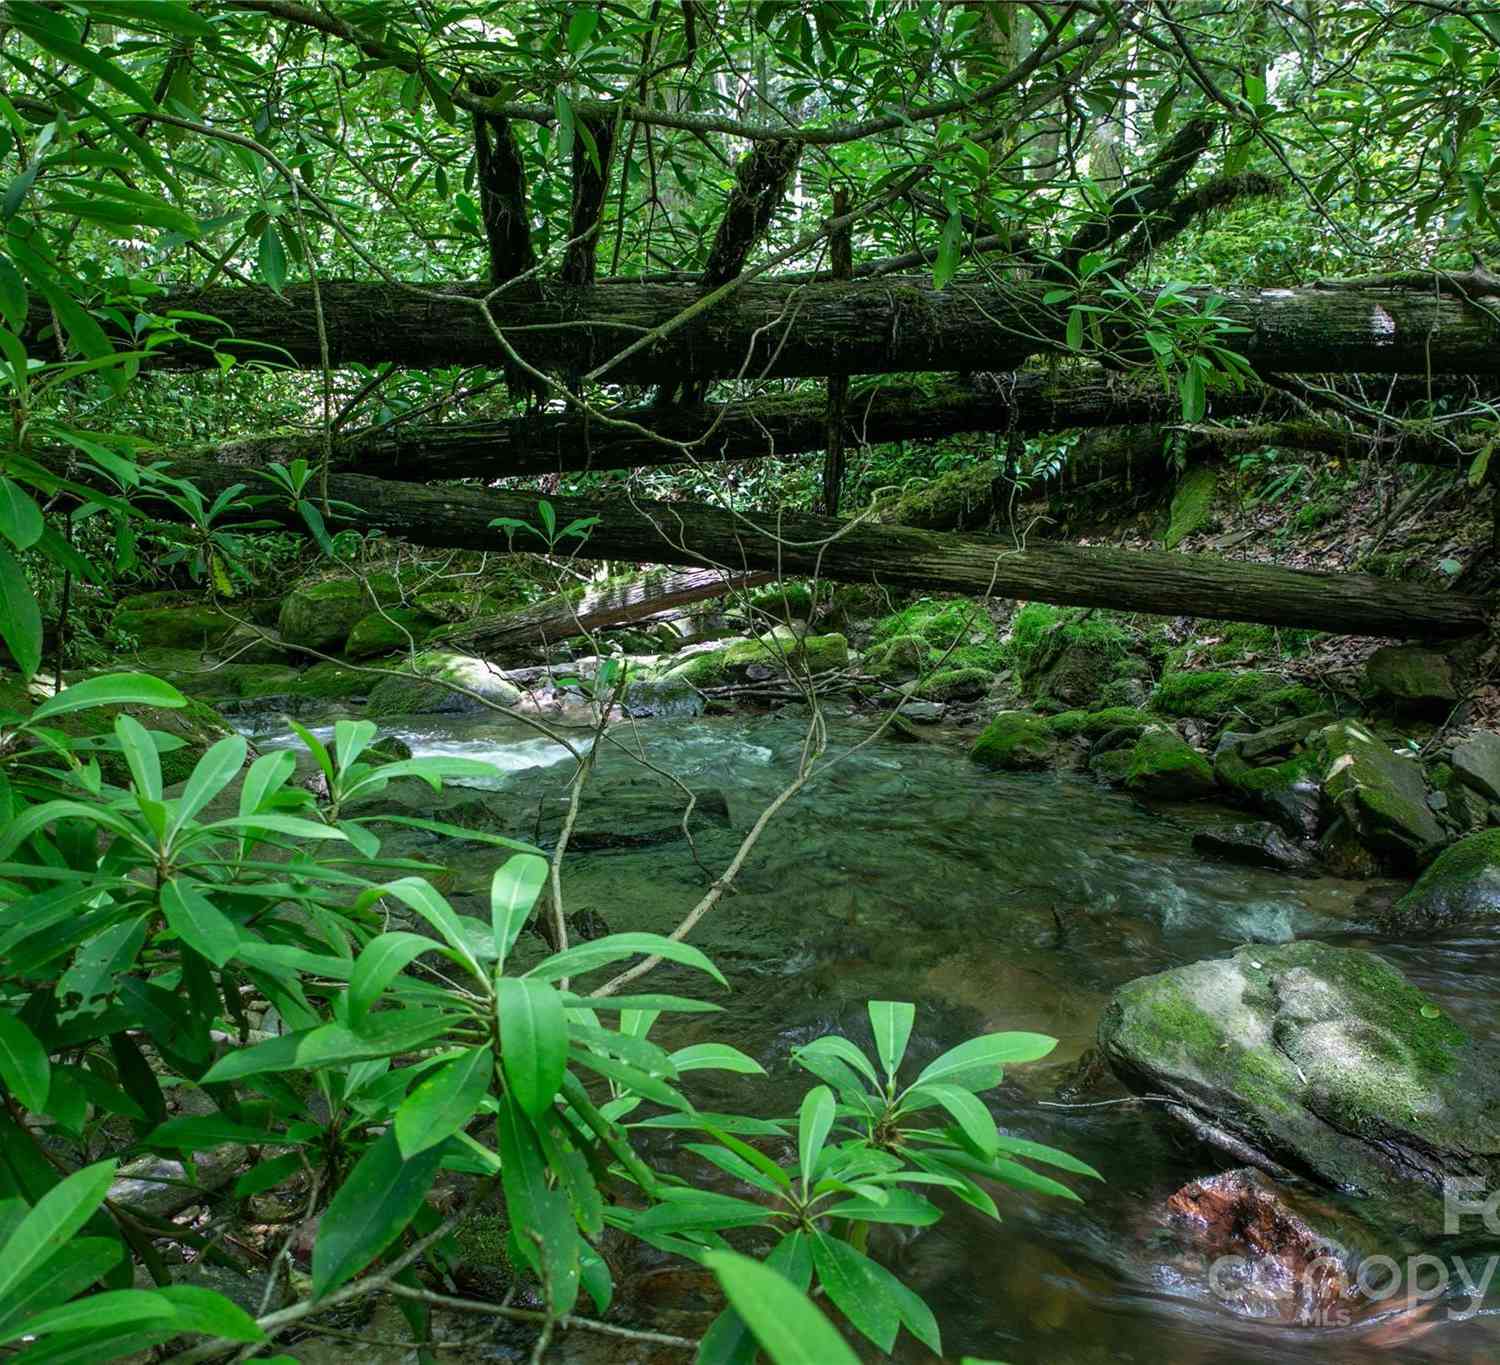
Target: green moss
<point x="1218" y="643"/>
<point x="956" y="684"/>
<point x="320" y="615"/>
<point x="805" y="654"/>
<point x="1467" y="859"/>
<point x="1165" y="765"/>
<point x="786" y="601"/>
<point x="1310" y="516"/>
<point x="903" y="656"/>
<point x="1015" y="739"/>
<point x="701" y="670"/>
<point x="961" y="498"/>
<point x="199" y="627"/>
<point x="1216" y="694"/>
<point x="389" y="631"/>
<point x="957" y="624"/>
<point x="189" y="730"/>
<point x="1096" y="723"/>
<point x="329" y="681"/>
<point x="1192" y="504"/>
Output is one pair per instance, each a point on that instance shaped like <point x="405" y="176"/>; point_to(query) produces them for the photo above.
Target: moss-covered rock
<point x="389" y="631"/>
<point x="1165" y="766"/>
<point x="1314" y="1059"/>
<point x="1064" y="655"/>
<point x="902" y="656"/>
<point x="1381" y="794"/>
<point x="320" y="615"/>
<point x="330" y="680"/>
<point x="1288" y="792"/>
<point x="1016" y="740"/>
<point x="958" y="627"/>
<point x="1094" y="724"/>
<point x="777" y="653"/>
<point x="785" y="601"/>
<point x="252" y="644"/>
<point x="428" y="686"/>
<point x="1462" y="887"/>
<point x="179" y="627"/>
<point x="1217" y="694"/>
<point x="1412" y="678"/>
<point x="956" y="684"/>
<point x="453" y="607"/>
<point x="231" y="682"/>
<point x="1476" y="761"/>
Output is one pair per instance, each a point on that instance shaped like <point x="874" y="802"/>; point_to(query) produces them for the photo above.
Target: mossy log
<point x="896" y="556"/>
<point x="772" y="328"/>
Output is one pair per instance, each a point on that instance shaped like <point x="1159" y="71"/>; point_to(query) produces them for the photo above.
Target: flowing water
<point x="993" y="901"/>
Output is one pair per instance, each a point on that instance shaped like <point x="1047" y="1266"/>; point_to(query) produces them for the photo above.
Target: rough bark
<point x="898" y="556"/>
<point x="609" y="604"/>
<point x="801" y="330"/>
<point x="501" y="181"/>
<point x="1025" y="403"/>
<point x="761" y="181"/>
<point x="590" y="186"/>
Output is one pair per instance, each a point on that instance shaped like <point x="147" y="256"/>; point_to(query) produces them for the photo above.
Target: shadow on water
<point x="993" y="901"/>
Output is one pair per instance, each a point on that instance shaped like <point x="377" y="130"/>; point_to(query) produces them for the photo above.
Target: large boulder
<point x="200" y="626"/>
<point x="771" y="656"/>
<point x="1380" y="794"/>
<point x="320" y="615"/>
<point x="1288" y="791"/>
<point x="1321" y="1061"/>
<point x="1462" y="887"/>
<point x="956" y="684"/>
<point x="1412" y="678"/>
<point x="441" y="683"/>
<point x="1016" y="740"/>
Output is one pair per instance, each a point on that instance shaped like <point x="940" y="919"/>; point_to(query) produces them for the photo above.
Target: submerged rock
<point x="1412" y="677"/>
<point x="1316" y="1060"/>
<point x="1257" y="844"/>
<point x="1239" y="1237"/>
<point x="1017" y="740"/>
<point x="1461" y="888"/>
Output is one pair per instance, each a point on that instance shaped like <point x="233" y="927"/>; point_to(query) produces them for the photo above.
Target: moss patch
<point x="1216" y="694"/>
<point x="1015" y="740"/>
<point x="956" y="684"/>
<point x="959" y="624"/>
<point x="1192" y="504"/>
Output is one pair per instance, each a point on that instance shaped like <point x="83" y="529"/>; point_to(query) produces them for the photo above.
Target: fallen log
<point x="795" y="330"/>
<point x="785" y="543"/>
<point x="607" y="604"/>
<point x="1028" y="402"/>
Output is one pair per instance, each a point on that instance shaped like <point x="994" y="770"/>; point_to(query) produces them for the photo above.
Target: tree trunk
<point x="814" y="329"/>
<point x="542" y="443"/>
<point x="898" y="556"/>
<point x="609" y="604"/>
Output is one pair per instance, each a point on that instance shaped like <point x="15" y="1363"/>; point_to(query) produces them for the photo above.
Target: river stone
<point x="1477" y="762"/>
<point x="1316" y="1060"/>
<point x="1165" y="766"/>
<point x="1461" y="887"/>
<point x="769" y="657"/>
<point x="1256" y="844"/>
<point x="956" y="684"/>
<point x="1016" y="740"/>
<point x="420" y="690"/>
<point x="1288" y="792"/>
<point x="902" y="656"/>
<point x="1382" y="795"/>
<point x="1412" y="677"/>
<point x="321" y="615"/>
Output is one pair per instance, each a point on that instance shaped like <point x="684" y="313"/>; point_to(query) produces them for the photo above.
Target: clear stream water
<point x="993" y="901"/>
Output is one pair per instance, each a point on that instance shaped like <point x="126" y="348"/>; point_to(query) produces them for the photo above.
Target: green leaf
<point x="112" y="689"/>
<point x="985" y="1053"/>
<point x="382" y="1194"/>
<point x="381" y="961"/>
<point x="426" y="901"/>
<point x="701" y="1211"/>
<point x="444" y="1102"/>
<point x="716" y="1057"/>
<point x="20" y="518"/>
<point x="728" y="1341"/>
<point x="545" y="1231"/>
<point x="533" y="1042"/>
<point x="20" y="617"/>
<point x="212" y="773"/>
<point x="967" y="1109"/>
<point x="33" y="20"/>
<point x="141" y="757"/>
<point x="24" y="1066"/>
<point x="83" y="1262"/>
<point x="513" y="891"/>
<point x="383" y="1035"/>
<point x="814" y="1122"/>
<point x="13" y="299"/>
<point x="790" y="1329"/>
<point x="272" y="258"/>
<point x="1074" y="336"/>
<point x="858" y="1288"/>
<point x="96" y="1314"/>
<point x="1190" y="388"/>
<point x="584" y="957"/>
<point x="57" y="1215"/>
<point x="198" y="922"/>
<point x="581" y="27"/>
<point x="211" y="1314"/>
<point x="891" y="1021"/>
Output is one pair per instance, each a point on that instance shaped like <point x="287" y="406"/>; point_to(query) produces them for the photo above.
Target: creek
<point x="992" y="901"/>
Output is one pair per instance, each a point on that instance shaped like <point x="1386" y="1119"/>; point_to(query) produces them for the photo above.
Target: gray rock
<point x="1412" y="677"/>
<point x="1381" y="794"/>
<point x="1258" y="844"/>
<point x="248" y="1291"/>
<point x="1308" y="1059"/>
<point x="923" y="712"/>
<point x="1462" y="887"/>
<point x="1477" y="762"/>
